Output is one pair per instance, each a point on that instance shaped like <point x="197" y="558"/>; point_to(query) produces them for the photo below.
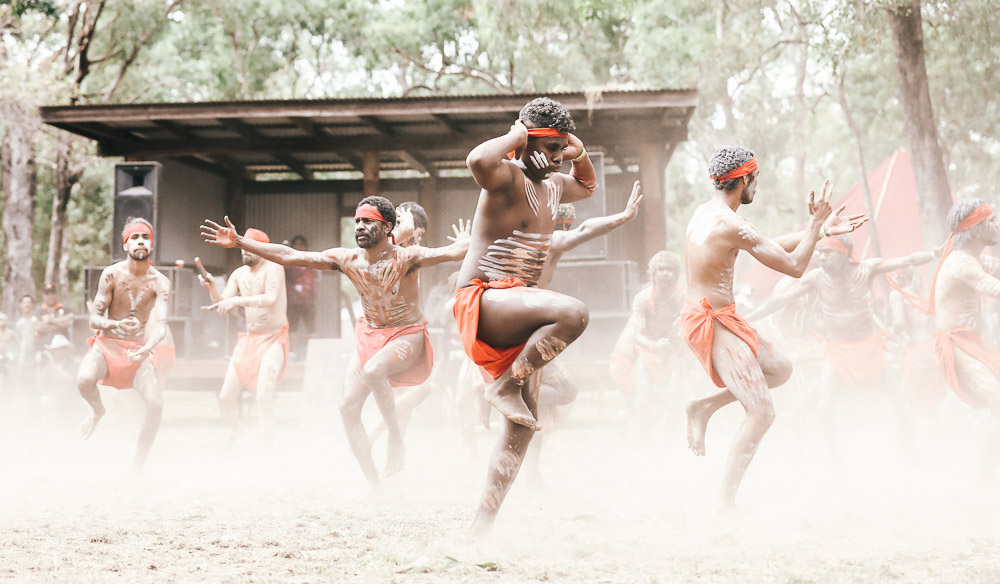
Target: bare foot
<point x="505" y="396"/>
<point x="90" y="424"/>
<point x="697" y="422"/>
<point x="395" y="457"/>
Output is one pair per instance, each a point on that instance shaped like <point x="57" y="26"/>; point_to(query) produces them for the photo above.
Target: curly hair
<point x="133" y="220"/>
<point x="725" y="159"/>
<point x="664" y="259"/>
<point x="384" y="207"/>
<point x="543" y="112"/>
<point x="419" y="215"/>
<point x="959" y="211"/>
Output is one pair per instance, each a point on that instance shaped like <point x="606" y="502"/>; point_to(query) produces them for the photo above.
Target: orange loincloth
<point x="698" y="330"/>
<point x="250" y="350"/>
<point x="121" y="371"/>
<point x="858" y="362"/>
<point x="967" y="340"/>
<point x="466" y="311"/>
<point x="372" y="340"/>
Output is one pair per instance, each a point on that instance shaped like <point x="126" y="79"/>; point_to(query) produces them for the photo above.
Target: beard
<point x="365" y="240"/>
<point x="139" y="254"/>
<point x="249" y="260"/>
<point x="749" y="194"/>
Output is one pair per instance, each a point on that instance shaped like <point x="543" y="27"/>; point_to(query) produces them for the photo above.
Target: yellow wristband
<point x="580" y="157"/>
<point x="822" y="232"/>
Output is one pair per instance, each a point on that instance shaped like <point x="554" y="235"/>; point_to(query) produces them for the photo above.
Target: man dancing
<point x="508" y="325"/>
<point x="393" y="346"/>
<point x="740" y="362"/>
<point x="964" y="277"/>
<point x="129" y="313"/>
<point x="260" y="358"/>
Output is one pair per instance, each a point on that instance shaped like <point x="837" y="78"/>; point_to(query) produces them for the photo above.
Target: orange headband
<point x="257" y="235"/>
<point x="546" y="133"/>
<point x="137" y="227"/>
<point x="834" y="243"/>
<point x="370" y="212"/>
<point x="742" y="170"/>
<point x="977" y="216"/>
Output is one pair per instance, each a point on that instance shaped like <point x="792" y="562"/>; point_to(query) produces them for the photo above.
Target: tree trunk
<point x="933" y="191"/>
<point x="801" y="135"/>
<point x="17" y="181"/>
<point x="65" y="179"/>
<point x="869" y="207"/>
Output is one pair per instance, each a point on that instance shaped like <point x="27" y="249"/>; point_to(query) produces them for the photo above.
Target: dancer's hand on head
<point x="519" y="130"/>
<point x="839" y="225"/>
<point x="573" y="148"/>
<point x="219" y="235"/>
<point x="463" y="230"/>
<point x="632" y="206"/>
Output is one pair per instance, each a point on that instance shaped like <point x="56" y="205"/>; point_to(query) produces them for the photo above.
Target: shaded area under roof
<point x="419" y="135"/>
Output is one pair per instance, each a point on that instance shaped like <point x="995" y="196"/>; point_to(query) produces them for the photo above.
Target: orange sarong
<point x="466" y="310"/>
<point x="967" y="340"/>
<point x="121" y="371"/>
<point x="858" y="362"/>
<point x="372" y="340"/>
<point x="250" y="350"/>
<point x="698" y="329"/>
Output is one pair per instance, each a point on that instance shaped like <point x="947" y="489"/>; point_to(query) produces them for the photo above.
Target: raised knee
<point x="781" y="374"/>
<point x="575" y="316"/>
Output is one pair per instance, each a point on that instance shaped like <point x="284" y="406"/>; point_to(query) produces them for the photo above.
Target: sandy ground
<point x="610" y="508"/>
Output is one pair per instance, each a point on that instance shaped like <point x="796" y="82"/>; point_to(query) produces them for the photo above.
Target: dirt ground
<point x="610" y="506"/>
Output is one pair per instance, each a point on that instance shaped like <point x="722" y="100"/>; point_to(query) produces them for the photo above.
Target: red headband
<point x="257" y="235"/>
<point x="137" y="227"/>
<point x="834" y="243"/>
<point x="977" y="216"/>
<point x="371" y="212"/>
<point x="541" y="133"/>
<point x="742" y="170"/>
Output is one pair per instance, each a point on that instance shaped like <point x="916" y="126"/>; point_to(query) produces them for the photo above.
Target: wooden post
<point x="654" y="219"/>
<point x="427" y="198"/>
<point x="369" y="182"/>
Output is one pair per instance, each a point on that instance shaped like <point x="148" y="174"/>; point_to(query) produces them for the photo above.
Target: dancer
<point x="964" y="278"/>
<point x="742" y="364"/>
<point x="129" y="313"/>
<point x="260" y="358"/>
<point x="393" y="347"/>
<point x="508" y="325"/>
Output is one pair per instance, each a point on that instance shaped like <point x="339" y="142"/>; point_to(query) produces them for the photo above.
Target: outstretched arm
<point x="796" y="290"/>
<point x="772" y="254"/>
<point x="226" y="236"/>
<point x="431" y="256"/>
<point x="563" y="241"/>
<point x="836" y="224"/>
<point x="914" y="259"/>
<point x="487" y="161"/>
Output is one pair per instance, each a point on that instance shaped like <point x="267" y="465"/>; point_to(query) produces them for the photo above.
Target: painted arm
<point x="582" y="180"/>
<point x="772" y="254"/>
<point x="274" y="277"/>
<point x="226" y="236"/>
<point x="991" y="265"/>
<point x="157" y="320"/>
<point x="796" y="290"/>
<point x="837" y="224"/>
<point x="892" y="264"/>
<point x="99" y="308"/>
<point x="597" y="226"/>
<point x="972" y="272"/>
<point x="488" y="160"/>
<point x="432" y="256"/>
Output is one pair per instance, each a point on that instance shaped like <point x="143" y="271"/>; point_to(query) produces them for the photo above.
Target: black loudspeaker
<point x="606" y="287"/>
<point x="136" y="184"/>
<point x="594" y="206"/>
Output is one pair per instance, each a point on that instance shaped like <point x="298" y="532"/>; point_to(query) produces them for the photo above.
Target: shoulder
<point x="160" y="278"/>
<point x="339" y="253"/>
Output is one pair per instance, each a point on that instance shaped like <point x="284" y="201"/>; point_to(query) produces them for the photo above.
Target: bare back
<point x="710" y="253"/>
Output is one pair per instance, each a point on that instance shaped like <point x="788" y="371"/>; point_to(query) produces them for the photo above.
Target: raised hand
<point x="839" y="225"/>
<point x="462" y="231"/>
<point x="820" y="209"/>
<point x="219" y="235"/>
<point x="204" y="277"/>
<point x="632" y="206"/>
